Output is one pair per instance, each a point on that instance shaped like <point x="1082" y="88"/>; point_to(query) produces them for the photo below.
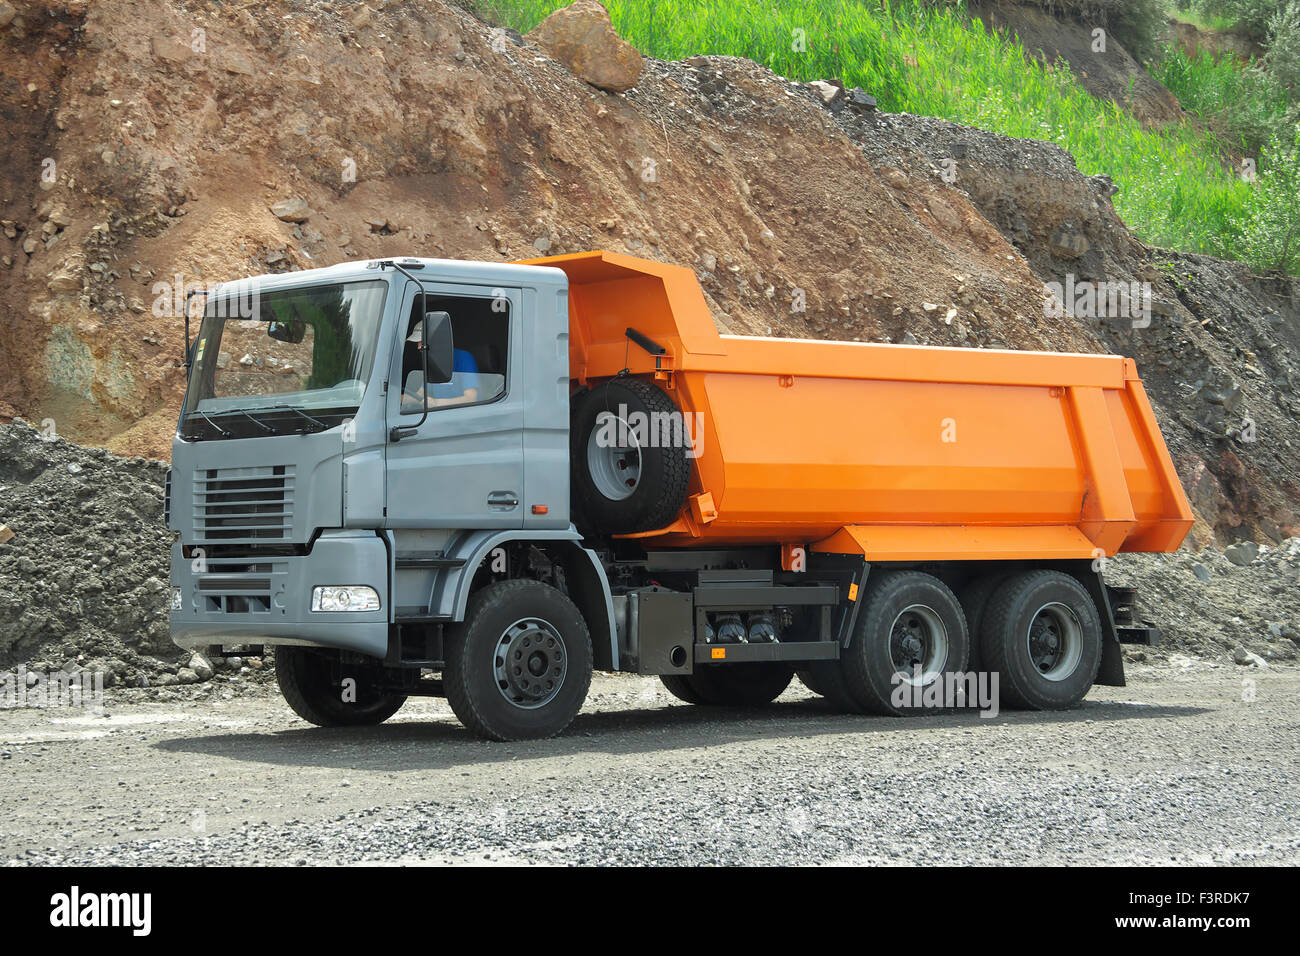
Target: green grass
<point x="1173" y="188"/>
<point x="1240" y="102"/>
<point x="1199" y="18"/>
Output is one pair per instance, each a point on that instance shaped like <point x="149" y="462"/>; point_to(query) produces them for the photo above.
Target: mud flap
<point x="1111" y="671"/>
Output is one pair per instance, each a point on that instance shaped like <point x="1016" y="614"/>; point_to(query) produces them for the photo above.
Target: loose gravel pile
<point x="1240" y="604"/>
<point x="83" y="580"/>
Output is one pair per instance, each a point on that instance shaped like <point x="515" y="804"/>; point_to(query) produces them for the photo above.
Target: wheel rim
<point x="918" y="640"/>
<point x="530" y="663"/>
<point x="615" y="469"/>
<point x="1055" y="641"/>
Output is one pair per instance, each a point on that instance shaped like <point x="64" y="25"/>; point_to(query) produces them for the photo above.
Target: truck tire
<point x="750" y="684"/>
<point x="910" y="618"/>
<point x="827" y="678"/>
<point x="1042" y="635"/>
<point x="975" y="597"/>
<point x="623" y="488"/>
<point x="519" y="666"/>
<point x="307" y="682"/>
<point x="679" y="685"/>
<point x="811" y="680"/>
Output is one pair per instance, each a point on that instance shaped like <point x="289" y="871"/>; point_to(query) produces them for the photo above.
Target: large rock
<point x="1241" y="553"/>
<point x="291" y="210"/>
<point x="582" y="38"/>
<point x="201" y="667"/>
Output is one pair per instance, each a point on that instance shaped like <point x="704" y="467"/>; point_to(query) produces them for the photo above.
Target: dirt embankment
<point x="174" y="128"/>
<point x="1100" y="63"/>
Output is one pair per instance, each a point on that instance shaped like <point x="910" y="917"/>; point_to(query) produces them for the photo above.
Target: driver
<point x="461" y="390"/>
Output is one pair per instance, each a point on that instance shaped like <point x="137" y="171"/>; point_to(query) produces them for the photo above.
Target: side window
<point x="480" y="330"/>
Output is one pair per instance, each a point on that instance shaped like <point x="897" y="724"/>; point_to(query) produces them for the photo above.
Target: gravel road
<point x="1175" y="768"/>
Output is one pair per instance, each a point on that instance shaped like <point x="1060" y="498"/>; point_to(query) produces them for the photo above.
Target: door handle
<point x="503" y="500"/>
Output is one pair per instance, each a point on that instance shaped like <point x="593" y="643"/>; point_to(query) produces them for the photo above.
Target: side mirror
<point x="439" y="351"/>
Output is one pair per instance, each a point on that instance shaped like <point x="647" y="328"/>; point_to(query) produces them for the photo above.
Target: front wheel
<point x="325" y="692"/>
<point x="519" y="666"/>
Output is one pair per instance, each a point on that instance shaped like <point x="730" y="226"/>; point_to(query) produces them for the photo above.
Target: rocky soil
<point x="1240" y="605"/>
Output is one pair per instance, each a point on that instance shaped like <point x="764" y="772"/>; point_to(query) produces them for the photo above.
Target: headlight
<point x="178" y="602"/>
<point x="344" y="597"/>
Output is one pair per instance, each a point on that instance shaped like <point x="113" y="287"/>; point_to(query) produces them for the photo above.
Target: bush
<point x="1249" y="17"/>
<point x="1138" y="25"/>
<point x="1283" y="56"/>
<point x="1270" y="222"/>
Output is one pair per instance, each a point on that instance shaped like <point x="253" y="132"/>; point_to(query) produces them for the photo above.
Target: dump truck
<point x="483" y="481"/>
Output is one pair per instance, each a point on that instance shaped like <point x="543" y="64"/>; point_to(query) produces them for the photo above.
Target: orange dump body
<point x="897" y="452"/>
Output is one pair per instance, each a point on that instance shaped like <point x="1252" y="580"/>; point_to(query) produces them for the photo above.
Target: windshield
<point x="286" y="361"/>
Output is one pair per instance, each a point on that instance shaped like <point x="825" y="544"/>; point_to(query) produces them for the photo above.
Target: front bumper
<point x="267" y="600"/>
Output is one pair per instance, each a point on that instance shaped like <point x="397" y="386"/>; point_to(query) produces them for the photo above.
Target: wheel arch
<point x="585" y="578"/>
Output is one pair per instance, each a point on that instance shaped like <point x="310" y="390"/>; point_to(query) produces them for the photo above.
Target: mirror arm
<point x="398" y="432"/>
<point x="188" y="354"/>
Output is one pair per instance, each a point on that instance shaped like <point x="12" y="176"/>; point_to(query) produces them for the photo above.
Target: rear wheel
<point x="910" y="633"/>
<point x="679" y="685"/>
<point x="1042" y="635"/>
<point x="519" y="666"/>
<point x="750" y="684"/>
<point x="812" y="680"/>
<point x="974" y="599"/>
<point x="327" y="693"/>
<point x="827" y="678"/>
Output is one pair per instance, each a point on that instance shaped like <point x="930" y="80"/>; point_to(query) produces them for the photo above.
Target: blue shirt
<point x="464" y="376"/>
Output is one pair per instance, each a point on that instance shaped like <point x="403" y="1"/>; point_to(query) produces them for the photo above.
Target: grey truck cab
<point x="334" y="494"/>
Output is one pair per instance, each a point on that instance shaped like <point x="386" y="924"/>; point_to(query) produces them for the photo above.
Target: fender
<point x="591" y="586"/>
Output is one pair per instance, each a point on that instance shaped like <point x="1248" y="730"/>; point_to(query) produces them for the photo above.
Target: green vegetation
<point x="1190" y="13"/>
<point x="1174" y="187"/>
<point x="1250" y="18"/>
<point x="1270" y="224"/>
<point x="1242" y="102"/>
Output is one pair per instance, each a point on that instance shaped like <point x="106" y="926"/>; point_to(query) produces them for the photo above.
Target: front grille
<point x="238" y="586"/>
<point x="238" y="505"/>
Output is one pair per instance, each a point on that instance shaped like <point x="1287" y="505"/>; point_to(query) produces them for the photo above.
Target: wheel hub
<point x="918" y="644"/>
<point x="530" y="663"/>
<point x="615" y="468"/>
<point x="1055" y="641"/>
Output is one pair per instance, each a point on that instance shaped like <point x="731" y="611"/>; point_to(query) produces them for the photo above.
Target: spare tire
<point x="629" y="452"/>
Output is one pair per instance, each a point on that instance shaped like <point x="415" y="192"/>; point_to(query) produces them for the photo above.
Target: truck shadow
<point x="441" y="743"/>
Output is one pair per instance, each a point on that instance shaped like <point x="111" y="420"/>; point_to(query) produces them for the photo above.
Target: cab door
<point x="464" y="465"/>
